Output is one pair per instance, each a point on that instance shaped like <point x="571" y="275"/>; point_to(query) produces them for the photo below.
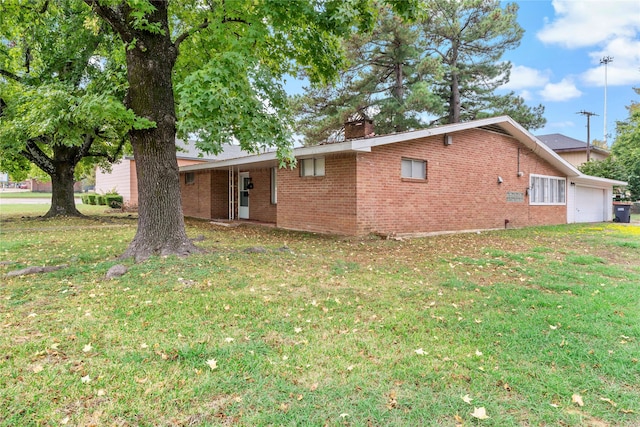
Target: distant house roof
<point x="561" y="143"/>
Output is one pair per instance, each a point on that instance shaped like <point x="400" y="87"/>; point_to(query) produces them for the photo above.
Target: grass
<point x="320" y="330"/>
<point x="28" y="195"/>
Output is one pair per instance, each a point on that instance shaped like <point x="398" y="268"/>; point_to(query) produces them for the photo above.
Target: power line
<point x="588" y="114"/>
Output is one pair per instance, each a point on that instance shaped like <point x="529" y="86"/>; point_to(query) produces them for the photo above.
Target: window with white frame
<point x="547" y="190"/>
<point x="312" y="167"/>
<point x="414" y="169"/>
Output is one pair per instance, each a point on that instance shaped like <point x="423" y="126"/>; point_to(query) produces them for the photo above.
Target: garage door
<point x="590" y="204"/>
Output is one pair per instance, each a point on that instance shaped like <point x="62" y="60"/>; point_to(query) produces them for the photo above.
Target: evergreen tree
<point x="469" y="38"/>
<point x="384" y="79"/>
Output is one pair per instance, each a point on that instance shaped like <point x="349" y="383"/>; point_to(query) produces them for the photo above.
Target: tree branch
<point x="182" y="37"/>
<point x="114" y="17"/>
<point x="38" y="157"/>
<point x="10" y="75"/>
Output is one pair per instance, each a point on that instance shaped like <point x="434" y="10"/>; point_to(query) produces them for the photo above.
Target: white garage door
<point x="590" y="204"/>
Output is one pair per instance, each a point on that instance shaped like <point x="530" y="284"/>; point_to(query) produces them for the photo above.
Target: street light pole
<point x="606" y="60"/>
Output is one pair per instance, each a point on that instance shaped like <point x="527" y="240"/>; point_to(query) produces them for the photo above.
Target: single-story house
<point x="479" y="175"/>
<point x="123" y="179"/>
<point x="573" y="150"/>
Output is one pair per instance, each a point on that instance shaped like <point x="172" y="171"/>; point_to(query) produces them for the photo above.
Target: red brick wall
<point x="365" y="193"/>
<point x="219" y="194"/>
<point x="325" y="204"/>
<point x="196" y="197"/>
<point x="461" y="191"/>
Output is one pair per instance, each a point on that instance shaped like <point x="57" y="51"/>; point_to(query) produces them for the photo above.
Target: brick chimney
<point x="358" y="129"/>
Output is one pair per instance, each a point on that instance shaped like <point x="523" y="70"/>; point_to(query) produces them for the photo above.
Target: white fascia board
<point x="271" y="157"/>
<point x="596" y="181"/>
<point x="338" y="147"/>
<point x="240" y="161"/>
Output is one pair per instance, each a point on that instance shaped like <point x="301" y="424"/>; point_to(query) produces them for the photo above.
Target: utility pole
<point x="588" y="114"/>
<point x="606" y="60"/>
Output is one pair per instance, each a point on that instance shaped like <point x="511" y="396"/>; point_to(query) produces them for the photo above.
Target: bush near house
<point x="91" y="198"/>
<point x="114" y="201"/>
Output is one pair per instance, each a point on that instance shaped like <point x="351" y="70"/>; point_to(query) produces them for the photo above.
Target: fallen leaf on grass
<point x="213" y="363"/>
<point x="37" y="368"/>
<point x="609" y="401"/>
<point x="85" y="379"/>
<point x="467" y="399"/>
<point x="459" y="420"/>
<point x="576" y="398"/>
<point x="87" y="348"/>
<point x="420" y="352"/>
<point x="627" y="411"/>
<point x="480" y="413"/>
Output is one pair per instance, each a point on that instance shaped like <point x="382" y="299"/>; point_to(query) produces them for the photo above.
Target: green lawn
<point x="27" y="195"/>
<point x="267" y="327"/>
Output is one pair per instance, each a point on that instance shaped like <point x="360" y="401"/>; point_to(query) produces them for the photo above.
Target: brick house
<point x="485" y="174"/>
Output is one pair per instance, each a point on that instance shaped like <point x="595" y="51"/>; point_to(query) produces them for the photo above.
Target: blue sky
<point x="558" y="62"/>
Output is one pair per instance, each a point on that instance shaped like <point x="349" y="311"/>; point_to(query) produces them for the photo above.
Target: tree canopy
<point x="61" y="90"/>
<point x="624" y="162"/>
<point x="443" y="65"/>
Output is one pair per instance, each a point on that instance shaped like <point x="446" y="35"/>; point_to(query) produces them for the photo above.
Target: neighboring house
<point x="485" y="174"/>
<point x="572" y="150"/>
<point x="123" y="179"/>
<point x="37" y="186"/>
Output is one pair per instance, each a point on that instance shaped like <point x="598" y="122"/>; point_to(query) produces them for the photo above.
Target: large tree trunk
<point x="62" y="197"/>
<point x="161" y="228"/>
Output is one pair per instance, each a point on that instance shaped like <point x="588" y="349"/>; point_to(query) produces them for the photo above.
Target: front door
<point x="243" y="196"/>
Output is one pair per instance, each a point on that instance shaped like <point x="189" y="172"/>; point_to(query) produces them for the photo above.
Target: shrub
<point x="114" y="201"/>
<point x="91" y="198"/>
<point x="85" y="199"/>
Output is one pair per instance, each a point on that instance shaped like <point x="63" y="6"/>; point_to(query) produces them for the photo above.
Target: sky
<point x="558" y="63"/>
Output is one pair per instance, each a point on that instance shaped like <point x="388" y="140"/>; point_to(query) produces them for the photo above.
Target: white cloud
<point x="588" y="23"/>
<point x="526" y="95"/>
<point x="525" y="77"/>
<point x="623" y="70"/>
<point x="562" y="91"/>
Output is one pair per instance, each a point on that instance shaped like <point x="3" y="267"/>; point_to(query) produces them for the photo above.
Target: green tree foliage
<point x="61" y="95"/>
<point x="624" y="162"/>
<point x="444" y="62"/>
<point x="626" y="148"/>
